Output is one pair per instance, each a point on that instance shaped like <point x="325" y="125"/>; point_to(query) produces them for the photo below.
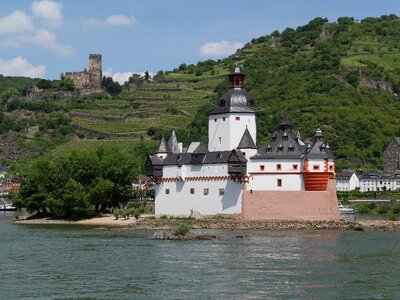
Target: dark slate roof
<point x="201" y="148"/>
<point x="370" y="174"/>
<point x="247" y="141"/>
<point x="173" y="143"/>
<point x="397" y="139"/>
<point x="319" y="149"/>
<point x="284" y="144"/>
<point x="344" y="175"/>
<point x="155" y="160"/>
<point x="216" y="157"/>
<point x="285" y="123"/>
<point x="163" y="147"/>
<point x="237" y="100"/>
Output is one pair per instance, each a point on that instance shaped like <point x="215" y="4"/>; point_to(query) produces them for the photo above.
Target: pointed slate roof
<point x="319" y="150"/>
<point x="201" y="149"/>
<point x="247" y="141"/>
<point x="283" y="145"/>
<point x="173" y="143"/>
<point x="163" y="147"/>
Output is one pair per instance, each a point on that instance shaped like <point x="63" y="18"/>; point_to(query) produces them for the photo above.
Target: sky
<point x="45" y="38"/>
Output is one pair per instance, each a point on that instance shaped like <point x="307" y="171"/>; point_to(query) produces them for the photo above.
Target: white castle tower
<point x="235" y="113"/>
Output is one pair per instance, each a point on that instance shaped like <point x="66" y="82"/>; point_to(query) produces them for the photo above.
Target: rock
<point x="168" y="235"/>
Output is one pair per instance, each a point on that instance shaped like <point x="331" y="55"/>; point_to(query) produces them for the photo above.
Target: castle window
<point x="279" y="182"/>
<point x="278" y="167"/>
<point x="161" y="157"/>
<point x="167" y="191"/>
<point x="244" y="153"/>
<point x="262" y="167"/>
<point x="316" y="167"/>
<point x="223" y="119"/>
<point x="237" y="118"/>
<point x="221" y="191"/>
<point x="206" y="191"/>
<point x="215" y="120"/>
<point x="331" y="169"/>
<point x="192" y="191"/>
<point x="295" y="167"/>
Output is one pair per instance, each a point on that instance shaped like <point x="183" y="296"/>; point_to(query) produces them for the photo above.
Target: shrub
<point x="383" y="209"/>
<point x="362" y="208"/>
<point x="136" y="213"/>
<point x="116" y="214"/>
<point x="392" y="216"/>
<point x="164" y="217"/>
<point x="182" y="229"/>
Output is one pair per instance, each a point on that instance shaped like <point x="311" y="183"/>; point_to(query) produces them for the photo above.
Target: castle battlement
<point x="91" y="79"/>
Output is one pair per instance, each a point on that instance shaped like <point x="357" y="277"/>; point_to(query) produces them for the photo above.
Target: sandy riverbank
<point x="146" y="223"/>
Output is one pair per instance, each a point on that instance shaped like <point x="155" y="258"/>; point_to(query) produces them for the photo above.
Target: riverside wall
<point x="291" y="205"/>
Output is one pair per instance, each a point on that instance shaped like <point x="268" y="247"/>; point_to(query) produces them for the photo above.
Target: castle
<point x="88" y="80"/>
<point x="284" y="179"/>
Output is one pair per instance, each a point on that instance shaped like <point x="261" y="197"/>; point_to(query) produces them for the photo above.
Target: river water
<point x="77" y="262"/>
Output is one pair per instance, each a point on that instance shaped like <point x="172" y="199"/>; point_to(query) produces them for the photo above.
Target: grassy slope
<point x="311" y="74"/>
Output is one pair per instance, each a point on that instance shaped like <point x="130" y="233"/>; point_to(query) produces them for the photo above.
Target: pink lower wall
<point x="291" y="205"/>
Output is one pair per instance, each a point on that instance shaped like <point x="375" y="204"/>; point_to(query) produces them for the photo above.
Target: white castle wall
<point x="181" y="202"/>
<point x="225" y="131"/>
<point x="267" y="179"/>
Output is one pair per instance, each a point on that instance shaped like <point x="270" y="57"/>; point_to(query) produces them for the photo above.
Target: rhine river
<point x="76" y="262"/>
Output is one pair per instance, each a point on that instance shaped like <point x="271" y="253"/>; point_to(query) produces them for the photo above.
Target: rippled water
<point x="75" y="262"/>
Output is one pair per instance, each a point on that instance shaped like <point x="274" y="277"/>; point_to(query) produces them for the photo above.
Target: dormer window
<point x="291" y="148"/>
<point x="222" y="103"/>
<point x="280" y="148"/>
<point x="219" y="156"/>
<point x="285" y="136"/>
<point x="252" y="103"/>
<point x="269" y="148"/>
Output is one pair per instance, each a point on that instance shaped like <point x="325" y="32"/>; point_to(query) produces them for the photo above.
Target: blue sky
<point x="45" y="38"/>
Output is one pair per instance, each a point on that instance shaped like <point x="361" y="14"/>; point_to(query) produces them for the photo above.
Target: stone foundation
<point x="291" y="205"/>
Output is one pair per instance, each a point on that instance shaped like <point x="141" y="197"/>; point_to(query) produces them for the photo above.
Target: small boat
<point x="346" y="210"/>
<point x="6" y="206"/>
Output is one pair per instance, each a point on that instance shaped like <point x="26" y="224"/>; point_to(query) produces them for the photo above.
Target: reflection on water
<point x="79" y="262"/>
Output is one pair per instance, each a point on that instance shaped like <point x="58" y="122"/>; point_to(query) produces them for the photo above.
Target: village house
<point x="347" y="180"/>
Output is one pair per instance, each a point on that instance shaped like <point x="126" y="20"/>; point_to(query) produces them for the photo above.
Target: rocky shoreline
<point x="151" y="223"/>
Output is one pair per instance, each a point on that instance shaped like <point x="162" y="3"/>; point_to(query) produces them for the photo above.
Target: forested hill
<point x="342" y="77"/>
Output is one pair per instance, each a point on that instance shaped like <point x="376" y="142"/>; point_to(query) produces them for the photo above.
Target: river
<point x="78" y="262"/>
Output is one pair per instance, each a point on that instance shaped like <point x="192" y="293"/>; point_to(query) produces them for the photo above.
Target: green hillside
<point x="343" y="77"/>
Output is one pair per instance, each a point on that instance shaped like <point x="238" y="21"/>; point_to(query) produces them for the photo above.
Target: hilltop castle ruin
<point x="88" y="80"/>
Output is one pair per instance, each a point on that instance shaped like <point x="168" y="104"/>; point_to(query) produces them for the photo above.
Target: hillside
<point x="343" y="77"/>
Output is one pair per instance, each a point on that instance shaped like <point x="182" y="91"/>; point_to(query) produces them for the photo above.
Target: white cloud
<point x="19" y="66"/>
<point x="47" y="39"/>
<point x="113" y="20"/>
<point x="49" y="11"/>
<point x="220" y="48"/>
<point x="16" y="22"/>
<point x="121" y="77"/>
<point x="119" y="20"/>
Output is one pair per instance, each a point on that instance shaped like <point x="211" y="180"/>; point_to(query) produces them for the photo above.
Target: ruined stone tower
<point x="88" y="81"/>
<point x="95" y="74"/>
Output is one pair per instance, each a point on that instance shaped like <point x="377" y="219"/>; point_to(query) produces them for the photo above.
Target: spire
<point x="285" y="123"/>
<point x="236" y="78"/>
<point x="163" y="147"/>
<point x="247" y="141"/>
<point x="173" y="143"/>
<point x="318" y="135"/>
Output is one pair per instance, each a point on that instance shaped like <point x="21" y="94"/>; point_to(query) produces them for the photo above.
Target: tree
<point x="44" y="84"/>
<point x="147" y="76"/>
<point x="79" y="184"/>
<point x="68" y="84"/>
